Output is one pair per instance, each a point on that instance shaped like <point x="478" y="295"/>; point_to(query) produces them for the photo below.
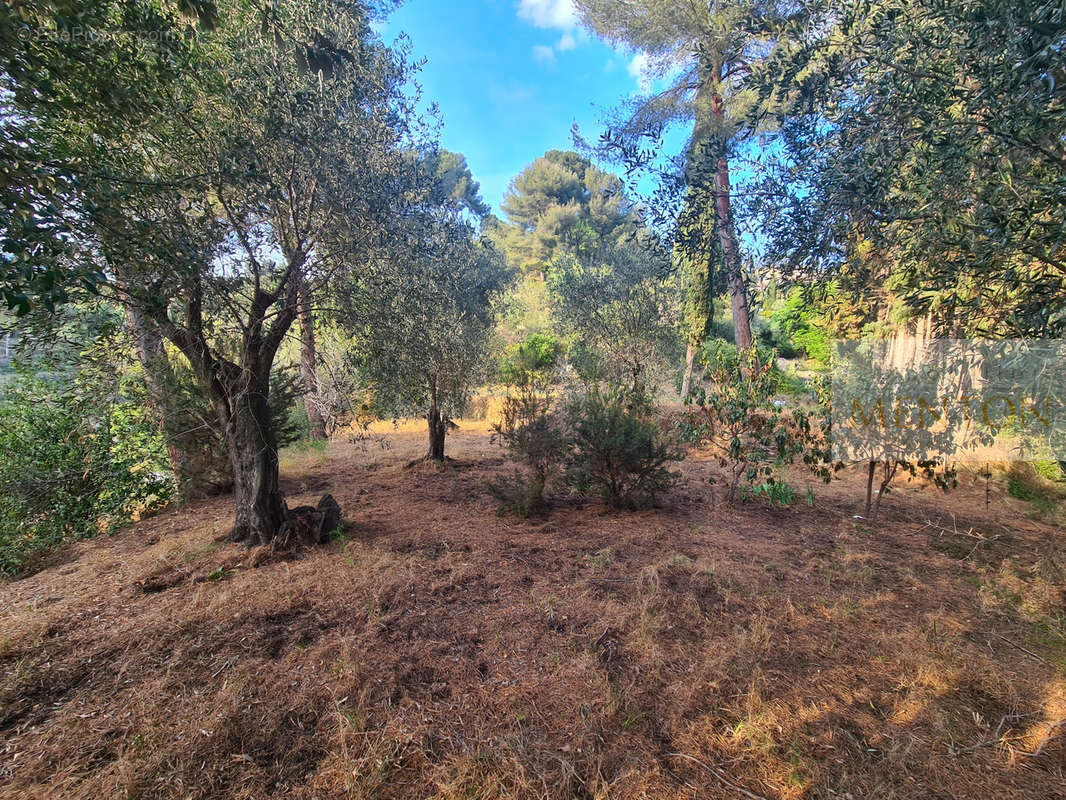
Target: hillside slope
<point x="438" y="650"/>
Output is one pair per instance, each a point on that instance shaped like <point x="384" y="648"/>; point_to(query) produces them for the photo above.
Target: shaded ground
<point x="699" y="650"/>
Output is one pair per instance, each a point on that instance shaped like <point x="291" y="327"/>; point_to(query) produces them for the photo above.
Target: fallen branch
<point x="995" y="739"/>
<point x="972" y="533"/>
<point x="597" y="642"/>
<point x="719" y="775"/>
<point x="1024" y="650"/>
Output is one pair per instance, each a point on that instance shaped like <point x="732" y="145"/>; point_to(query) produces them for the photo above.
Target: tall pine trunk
<point x="727" y="235"/>
<point x="710" y="147"/>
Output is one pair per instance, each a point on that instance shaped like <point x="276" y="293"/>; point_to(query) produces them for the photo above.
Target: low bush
<point x="534" y="435"/>
<point x="617" y="451"/>
<point x="517" y="495"/>
<point x="778" y="493"/>
<point x="528" y="427"/>
<point x="746" y="428"/>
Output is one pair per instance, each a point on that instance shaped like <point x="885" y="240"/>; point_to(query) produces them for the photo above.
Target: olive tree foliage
<point x="267" y="166"/>
<point x="620" y="309"/>
<point x="422" y="311"/>
<point x="85" y="61"/>
<point x="923" y="150"/>
<point x="702" y="53"/>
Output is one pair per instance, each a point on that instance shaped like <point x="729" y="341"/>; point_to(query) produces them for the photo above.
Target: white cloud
<point x="566" y="42"/>
<point x="559" y="14"/>
<point x="544" y="53"/>
<point x="639" y="70"/>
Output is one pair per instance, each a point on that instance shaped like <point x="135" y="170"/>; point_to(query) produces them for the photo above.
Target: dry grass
<point x="699" y="650"/>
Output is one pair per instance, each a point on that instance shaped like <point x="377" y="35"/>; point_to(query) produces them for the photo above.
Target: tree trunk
<point x="148" y="344"/>
<point x="727" y="234"/>
<point x="889" y="474"/>
<point x="710" y="135"/>
<point x="869" y="487"/>
<point x="690" y="362"/>
<point x="309" y="368"/>
<point x="438" y="429"/>
<point x="254" y="453"/>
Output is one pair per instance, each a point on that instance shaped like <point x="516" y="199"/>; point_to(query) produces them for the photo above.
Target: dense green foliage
<point x="617" y="451"/>
<point x="99" y="64"/>
<point x="261" y="159"/>
<point x="604" y="436"/>
<point x="798" y="322"/>
<point x="924" y="155"/>
<point x="620" y="308"/>
<point x="82" y="451"/>
<point x="563" y="205"/>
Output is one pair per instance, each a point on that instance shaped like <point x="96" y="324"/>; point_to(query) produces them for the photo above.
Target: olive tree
<point x="422" y="314"/>
<point x="99" y="64"/>
<point x="924" y="154"/>
<point x="252" y="179"/>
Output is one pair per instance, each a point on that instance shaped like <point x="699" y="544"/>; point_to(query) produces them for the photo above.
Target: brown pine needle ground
<point x="697" y="650"/>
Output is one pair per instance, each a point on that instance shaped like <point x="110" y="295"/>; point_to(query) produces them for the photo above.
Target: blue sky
<point x="511" y="77"/>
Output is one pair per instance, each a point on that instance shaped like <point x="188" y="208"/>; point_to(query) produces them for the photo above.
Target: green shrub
<point x="798" y="323"/>
<point x="1029" y="481"/>
<point x="533" y="434"/>
<point x="778" y="493"/>
<point x="1050" y="470"/>
<point x="531" y="363"/>
<point x="528" y="427"/>
<point x="722" y="359"/>
<point x="518" y="495"/>
<point x="749" y="432"/>
<point x="617" y="452"/>
<point x="72" y="466"/>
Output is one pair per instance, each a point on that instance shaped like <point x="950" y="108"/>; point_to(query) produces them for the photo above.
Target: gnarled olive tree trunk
<point x="438" y="430"/>
<point x="253" y="450"/>
<point x="239" y="391"/>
